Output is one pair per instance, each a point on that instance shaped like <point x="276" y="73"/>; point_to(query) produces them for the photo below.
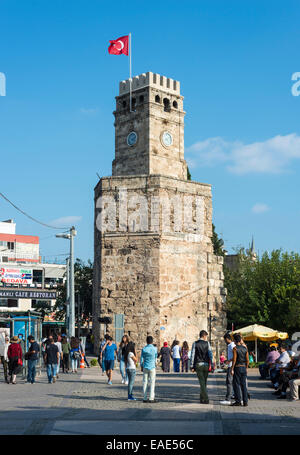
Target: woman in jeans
<point x="240" y="363"/>
<point x="130" y="359"/>
<point x="75" y="353"/>
<point x="121" y="352"/>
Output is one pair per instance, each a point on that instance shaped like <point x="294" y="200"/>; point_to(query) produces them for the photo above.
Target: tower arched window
<point x="175" y="104"/>
<point x="166" y="104"/>
<point x="157" y="99"/>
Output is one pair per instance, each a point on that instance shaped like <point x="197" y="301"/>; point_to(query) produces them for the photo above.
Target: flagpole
<point x="130" y="79"/>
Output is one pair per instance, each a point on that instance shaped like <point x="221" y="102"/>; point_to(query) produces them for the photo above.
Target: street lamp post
<point x="70" y="237"/>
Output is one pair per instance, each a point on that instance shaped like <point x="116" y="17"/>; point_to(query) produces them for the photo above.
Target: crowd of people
<point x="57" y="351"/>
<point x="281" y="366"/>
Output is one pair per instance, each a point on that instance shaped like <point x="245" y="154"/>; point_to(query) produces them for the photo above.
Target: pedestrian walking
<point x="240" y="363"/>
<point x="148" y="367"/>
<point x="184" y="356"/>
<point x="109" y="351"/>
<point x="121" y="359"/>
<point x="14" y="354"/>
<point x="229" y="378"/>
<point x="4" y="358"/>
<point x="66" y="348"/>
<point x="130" y="359"/>
<point x="176" y="356"/>
<point x="52" y="357"/>
<point x="75" y="353"/>
<point x="165" y="355"/>
<point x="201" y="357"/>
<point x="57" y="343"/>
<point x="101" y="357"/>
<point x="32" y="359"/>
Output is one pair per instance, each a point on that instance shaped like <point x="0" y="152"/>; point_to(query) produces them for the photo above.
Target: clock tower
<point x="150" y="138"/>
<point x="155" y="272"/>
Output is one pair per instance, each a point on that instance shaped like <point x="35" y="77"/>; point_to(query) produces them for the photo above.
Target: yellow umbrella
<point x="259" y="332"/>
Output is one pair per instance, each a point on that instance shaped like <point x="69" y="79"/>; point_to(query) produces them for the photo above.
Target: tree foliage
<point x="217" y="242"/>
<point x="265" y="291"/>
<point x="83" y="276"/>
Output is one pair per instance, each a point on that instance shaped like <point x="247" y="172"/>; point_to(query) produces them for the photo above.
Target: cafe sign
<point x="15" y="276"/>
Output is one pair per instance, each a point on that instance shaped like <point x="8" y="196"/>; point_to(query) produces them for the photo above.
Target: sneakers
<point x="123" y="381"/>
<point x="126" y="383"/>
<point x="145" y="401"/>
<point x="204" y="401"/>
<point x="54" y="379"/>
<point x="236" y="403"/>
<point x="131" y="398"/>
<point x="225" y="402"/>
<point x="109" y="383"/>
<point x="153" y="401"/>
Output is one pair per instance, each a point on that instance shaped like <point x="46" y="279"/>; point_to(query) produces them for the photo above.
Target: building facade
<point x="25" y="282"/>
<point x="154" y="268"/>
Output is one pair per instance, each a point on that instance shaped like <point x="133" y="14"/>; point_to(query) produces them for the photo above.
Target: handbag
<point x="20" y="362"/>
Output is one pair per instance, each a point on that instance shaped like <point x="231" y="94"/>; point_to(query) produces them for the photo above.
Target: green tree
<point x="83" y="277"/>
<point x="265" y="291"/>
<point x="217" y="242"/>
<point x="189" y="176"/>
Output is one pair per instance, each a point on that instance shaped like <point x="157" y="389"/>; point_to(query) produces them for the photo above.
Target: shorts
<point x="109" y="364"/>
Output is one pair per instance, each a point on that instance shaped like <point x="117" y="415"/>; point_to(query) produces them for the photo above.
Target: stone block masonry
<point x="154" y="267"/>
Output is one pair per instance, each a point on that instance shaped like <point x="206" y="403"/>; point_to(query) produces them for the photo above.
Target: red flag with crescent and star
<point x="119" y="46"/>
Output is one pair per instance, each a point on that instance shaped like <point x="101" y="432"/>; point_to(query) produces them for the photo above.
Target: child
<point x="222" y="359"/>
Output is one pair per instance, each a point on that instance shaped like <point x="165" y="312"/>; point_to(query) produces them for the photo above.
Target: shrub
<point x="94" y="362"/>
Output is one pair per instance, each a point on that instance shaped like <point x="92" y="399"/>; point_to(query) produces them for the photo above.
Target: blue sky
<point x="242" y="134"/>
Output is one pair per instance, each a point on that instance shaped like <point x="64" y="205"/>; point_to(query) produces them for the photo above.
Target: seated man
<point x="280" y="364"/>
<point x="295" y="383"/>
<point x="291" y="372"/>
<point x="272" y="356"/>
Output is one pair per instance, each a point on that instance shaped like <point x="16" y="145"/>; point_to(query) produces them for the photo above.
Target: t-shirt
<point x="272" y="356"/>
<point x="66" y="348"/>
<point x="109" y="351"/>
<point x="34" y="347"/>
<point x="176" y="352"/>
<point x="58" y="344"/>
<point x="284" y="360"/>
<point x="51" y="351"/>
<point x="130" y="362"/>
<point x="230" y="347"/>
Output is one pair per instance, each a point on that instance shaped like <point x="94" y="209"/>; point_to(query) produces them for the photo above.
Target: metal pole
<point x="68" y="298"/>
<point x="72" y="287"/>
<point x="130" y="80"/>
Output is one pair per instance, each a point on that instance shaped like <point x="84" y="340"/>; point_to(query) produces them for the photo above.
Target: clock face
<point x="167" y="138"/>
<point x="132" y="138"/>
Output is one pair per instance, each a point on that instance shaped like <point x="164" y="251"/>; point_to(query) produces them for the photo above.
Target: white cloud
<point x="66" y="221"/>
<point x="272" y="156"/>
<point x="89" y="110"/>
<point x="260" y="208"/>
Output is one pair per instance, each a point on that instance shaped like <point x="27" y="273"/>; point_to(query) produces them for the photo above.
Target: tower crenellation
<point x="150" y="80"/>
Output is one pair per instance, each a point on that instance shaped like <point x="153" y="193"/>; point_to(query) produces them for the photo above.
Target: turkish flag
<point x="119" y="46"/>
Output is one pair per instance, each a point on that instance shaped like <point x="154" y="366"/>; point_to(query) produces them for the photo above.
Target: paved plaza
<point x="84" y="404"/>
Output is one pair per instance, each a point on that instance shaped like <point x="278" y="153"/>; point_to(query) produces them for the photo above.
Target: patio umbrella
<point x="259" y="332"/>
